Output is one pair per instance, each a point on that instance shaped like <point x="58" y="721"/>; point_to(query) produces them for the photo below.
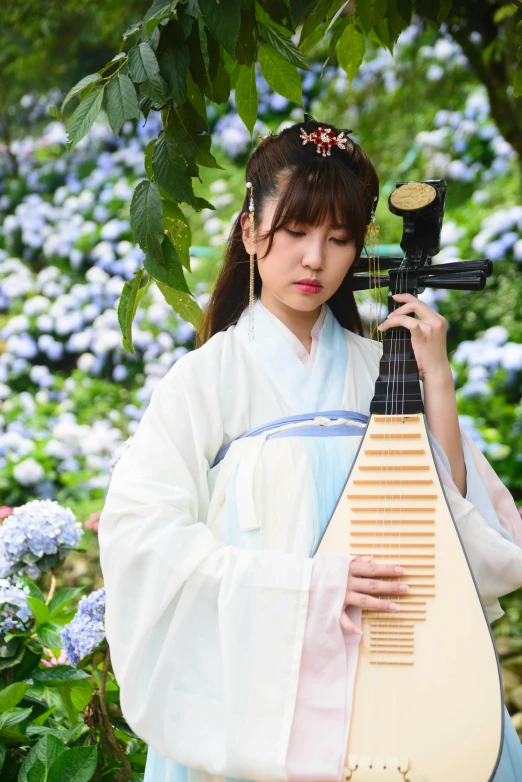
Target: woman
<point x="223" y="626"/>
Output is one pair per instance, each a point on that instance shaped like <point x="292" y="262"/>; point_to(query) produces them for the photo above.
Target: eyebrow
<point x="339" y="225"/>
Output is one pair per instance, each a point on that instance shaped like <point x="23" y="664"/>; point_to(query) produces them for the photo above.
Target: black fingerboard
<point x="397" y="389"/>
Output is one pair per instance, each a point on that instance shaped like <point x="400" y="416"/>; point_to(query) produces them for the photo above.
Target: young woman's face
<point x="300" y="251"/>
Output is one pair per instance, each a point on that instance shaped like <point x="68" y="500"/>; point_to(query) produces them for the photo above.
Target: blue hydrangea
<point x="14" y="611"/>
<point x="36" y="537"/>
<point x="87" y="629"/>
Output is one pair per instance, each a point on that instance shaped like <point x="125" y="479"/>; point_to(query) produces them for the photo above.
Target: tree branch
<point x="126" y="773"/>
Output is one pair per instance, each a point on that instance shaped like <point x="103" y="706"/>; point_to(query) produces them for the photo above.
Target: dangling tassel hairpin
<point x="251" y="291"/>
<point x="372" y="249"/>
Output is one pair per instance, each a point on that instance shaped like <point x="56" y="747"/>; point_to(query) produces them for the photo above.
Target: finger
<point x="374" y="586"/>
<point x="375" y="569"/>
<point x="369" y="603"/>
<point x="348" y="625"/>
<point x="413" y="304"/>
<point x="401" y="320"/>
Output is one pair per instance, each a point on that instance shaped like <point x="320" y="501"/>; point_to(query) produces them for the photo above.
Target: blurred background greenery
<point x="70" y="396"/>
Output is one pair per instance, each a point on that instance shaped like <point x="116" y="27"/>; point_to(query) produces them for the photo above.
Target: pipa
<point x="428" y="699"/>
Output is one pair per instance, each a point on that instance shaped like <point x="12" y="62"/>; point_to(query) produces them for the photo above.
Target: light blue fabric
<point x="319" y="390"/>
<point x="305" y="431"/>
<point x="331" y="459"/>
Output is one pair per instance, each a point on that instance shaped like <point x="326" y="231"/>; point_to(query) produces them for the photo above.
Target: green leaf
<point x="283" y="44"/>
<point x="155" y="90"/>
<point x="280" y="74"/>
<point x="45" y="751"/>
<point x="313" y="21"/>
<point x="245" y="53"/>
<point x="313" y="39"/>
<point x="143" y="63"/>
<point x="170" y="168"/>
<point x="39" y="609"/>
<point x="58" y="675"/>
<point x="91" y="79"/>
<point x="3" y="751"/>
<point x="196" y="97"/>
<point x="517" y="82"/>
<point x="183" y="304"/>
<point x="122" y="102"/>
<point x="42" y="718"/>
<point x="444" y="10"/>
<point x="74" y="765"/>
<point x="246" y="96"/>
<point x="146" y="219"/>
<point x="81" y="695"/>
<point x="396" y="23"/>
<point x="159" y="10"/>
<point x="14" y="717"/>
<point x="84" y="116"/>
<point x="130" y="296"/>
<point x="131" y="30"/>
<point x="174" y="65"/>
<point x="11" y="653"/>
<point x="370" y="12"/>
<point x="223" y="19"/>
<point x="54" y="112"/>
<point x="49" y="635"/>
<point x="350" y="50"/>
<point x="202" y="153"/>
<point x="11" y="737"/>
<point x="179" y="231"/>
<point x="61" y="599"/>
<point x="12" y="694"/>
<point x="169" y="271"/>
<point x="37" y="772"/>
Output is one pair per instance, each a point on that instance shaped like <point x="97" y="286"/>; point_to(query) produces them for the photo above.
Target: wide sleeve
<point x="206" y="639"/>
<point x="488" y="522"/>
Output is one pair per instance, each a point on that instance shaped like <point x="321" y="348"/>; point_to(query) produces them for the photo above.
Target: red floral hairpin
<point x="325" y="138"/>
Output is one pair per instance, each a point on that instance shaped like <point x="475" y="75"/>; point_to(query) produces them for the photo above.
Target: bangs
<point x="320" y="191"/>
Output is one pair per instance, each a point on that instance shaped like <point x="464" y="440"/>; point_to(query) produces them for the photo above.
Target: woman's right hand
<point x="364" y="583"/>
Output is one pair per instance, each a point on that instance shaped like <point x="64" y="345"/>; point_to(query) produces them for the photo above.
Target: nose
<point x="314" y="251"/>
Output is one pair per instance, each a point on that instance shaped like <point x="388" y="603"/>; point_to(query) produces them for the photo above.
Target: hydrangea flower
<point x="87" y="629"/>
<point x="36" y="536"/>
<point x="14" y="611"/>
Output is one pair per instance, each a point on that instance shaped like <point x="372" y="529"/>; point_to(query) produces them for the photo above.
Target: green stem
<point x="52" y="588"/>
<point x="66" y="698"/>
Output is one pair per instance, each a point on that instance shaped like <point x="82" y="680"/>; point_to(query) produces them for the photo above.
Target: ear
<point x="245" y="231"/>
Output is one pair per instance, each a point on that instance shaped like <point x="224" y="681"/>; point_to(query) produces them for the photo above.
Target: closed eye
<point x="300" y="233"/>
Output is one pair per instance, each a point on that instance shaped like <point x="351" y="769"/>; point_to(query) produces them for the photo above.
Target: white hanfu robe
<point x="223" y="626"/>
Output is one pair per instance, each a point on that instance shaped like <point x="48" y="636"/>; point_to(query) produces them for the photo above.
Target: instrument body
<point x="428" y="697"/>
<point x="428" y="689"/>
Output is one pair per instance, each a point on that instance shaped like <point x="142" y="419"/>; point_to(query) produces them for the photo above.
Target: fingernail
<point x="399" y="569"/>
<point x="393" y="606"/>
<point x="366" y="559"/>
<point x="359" y="632"/>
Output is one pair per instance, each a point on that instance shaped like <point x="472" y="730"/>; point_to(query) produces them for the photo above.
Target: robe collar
<point x="303" y="391"/>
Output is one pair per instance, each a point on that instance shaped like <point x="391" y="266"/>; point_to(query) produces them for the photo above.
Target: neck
<point x="299" y="322"/>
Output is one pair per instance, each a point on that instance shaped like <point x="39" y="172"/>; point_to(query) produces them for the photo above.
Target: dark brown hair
<point x="312" y="188"/>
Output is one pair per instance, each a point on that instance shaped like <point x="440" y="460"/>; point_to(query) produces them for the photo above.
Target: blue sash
<point x="314" y="430"/>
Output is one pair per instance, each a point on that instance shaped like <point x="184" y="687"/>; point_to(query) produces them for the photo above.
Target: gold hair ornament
<point x="372" y="250"/>
<point x="251" y="290"/>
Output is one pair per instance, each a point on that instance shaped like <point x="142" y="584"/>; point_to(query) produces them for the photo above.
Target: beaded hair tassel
<point x="251" y="291"/>
<point x="372" y="249"/>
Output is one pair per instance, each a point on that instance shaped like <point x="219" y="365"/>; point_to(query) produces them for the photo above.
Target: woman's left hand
<point x="428" y="334"/>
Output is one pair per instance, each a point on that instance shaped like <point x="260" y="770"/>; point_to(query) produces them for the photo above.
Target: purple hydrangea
<point x="36" y="536"/>
<point x="87" y="629"/>
<point x="14" y="611"/>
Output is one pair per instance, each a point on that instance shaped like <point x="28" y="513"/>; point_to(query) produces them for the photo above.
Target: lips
<point x="308" y="281"/>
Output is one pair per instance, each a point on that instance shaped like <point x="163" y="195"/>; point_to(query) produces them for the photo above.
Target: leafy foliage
<point x="181" y="52"/>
